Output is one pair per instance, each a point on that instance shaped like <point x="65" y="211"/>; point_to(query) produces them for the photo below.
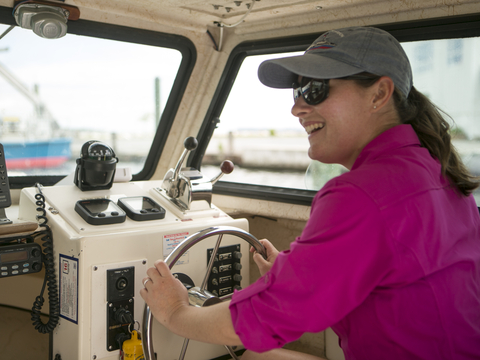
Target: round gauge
<point x="100" y="152"/>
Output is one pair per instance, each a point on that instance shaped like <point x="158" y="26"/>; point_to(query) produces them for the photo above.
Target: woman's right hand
<point x="265" y="264"/>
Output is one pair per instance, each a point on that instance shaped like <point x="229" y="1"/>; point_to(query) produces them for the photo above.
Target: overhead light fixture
<point x="47" y="21"/>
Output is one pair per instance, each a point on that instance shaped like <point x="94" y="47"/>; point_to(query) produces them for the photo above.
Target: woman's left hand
<point x="164" y="294"/>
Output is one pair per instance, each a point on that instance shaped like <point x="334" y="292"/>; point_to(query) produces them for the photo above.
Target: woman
<point x="390" y="258"/>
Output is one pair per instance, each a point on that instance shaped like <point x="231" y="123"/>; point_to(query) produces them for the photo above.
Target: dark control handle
<point x="226" y="167"/>
<point x="190" y="143"/>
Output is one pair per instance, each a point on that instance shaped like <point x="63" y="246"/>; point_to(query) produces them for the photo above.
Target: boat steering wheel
<point x="198" y="296"/>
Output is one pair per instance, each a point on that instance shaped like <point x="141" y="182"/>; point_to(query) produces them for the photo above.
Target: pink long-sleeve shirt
<point x="390" y="259"/>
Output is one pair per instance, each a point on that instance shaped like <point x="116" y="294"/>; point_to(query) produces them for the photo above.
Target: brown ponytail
<point x="432" y="129"/>
<point x="434" y="133"/>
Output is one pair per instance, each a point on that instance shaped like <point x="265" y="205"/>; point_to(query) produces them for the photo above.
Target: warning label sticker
<point x="68" y="279"/>
<point x="170" y="242"/>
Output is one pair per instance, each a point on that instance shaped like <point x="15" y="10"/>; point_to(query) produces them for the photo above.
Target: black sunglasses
<point x="314" y="91"/>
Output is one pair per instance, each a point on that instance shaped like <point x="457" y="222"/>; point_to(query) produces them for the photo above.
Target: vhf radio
<point x="19" y="259"/>
<point x="18" y="254"/>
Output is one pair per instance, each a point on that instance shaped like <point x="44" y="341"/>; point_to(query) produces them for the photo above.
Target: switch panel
<point x="120" y="305"/>
<point x="121" y="283"/>
<point x="226" y="271"/>
<point x="108" y="281"/>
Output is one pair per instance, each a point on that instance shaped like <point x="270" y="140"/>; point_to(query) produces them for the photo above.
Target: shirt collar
<point x="394" y="138"/>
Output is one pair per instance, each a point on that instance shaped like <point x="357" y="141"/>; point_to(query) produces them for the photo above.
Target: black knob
<point x="37" y="266"/>
<point x="36" y="252"/>
<point x="123" y="316"/>
<point x="121" y="284"/>
<point x="190" y="143"/>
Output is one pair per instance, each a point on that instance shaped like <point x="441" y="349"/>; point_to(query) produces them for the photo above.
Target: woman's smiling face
<point x="341" y="125"/>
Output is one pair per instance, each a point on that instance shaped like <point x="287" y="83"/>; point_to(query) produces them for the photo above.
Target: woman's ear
<point x="383" y="91"/>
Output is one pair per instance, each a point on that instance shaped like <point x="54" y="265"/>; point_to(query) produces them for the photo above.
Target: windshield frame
<point x="133" y="35"/>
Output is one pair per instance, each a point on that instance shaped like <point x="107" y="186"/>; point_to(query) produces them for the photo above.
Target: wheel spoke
<point x="184" y="349"/>
<point x="226" y="297"/>
<point x="210" y="263"/>
<point x="230" y="351"/>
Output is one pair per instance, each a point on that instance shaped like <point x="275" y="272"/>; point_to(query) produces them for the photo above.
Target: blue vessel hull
<point x="37" y="153"/>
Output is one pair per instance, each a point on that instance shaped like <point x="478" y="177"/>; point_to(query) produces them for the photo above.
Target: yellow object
<point x="132" y="348"/>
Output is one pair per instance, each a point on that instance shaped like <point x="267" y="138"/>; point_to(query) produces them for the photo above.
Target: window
<point x="55" y="95"/>
<point x="454" y="89"/>
<point x="423" y="56"/>
<point x="260" y="135"/>
<point x="455" y="51"/>
<point x="258" y="132"/>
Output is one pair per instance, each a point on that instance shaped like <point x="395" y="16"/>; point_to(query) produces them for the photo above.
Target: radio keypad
<point x="20" y="259"/>
<point x="14" y="269"/>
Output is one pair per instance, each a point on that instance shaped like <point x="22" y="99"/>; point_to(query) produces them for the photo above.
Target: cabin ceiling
<point x="272" y="14"/>
<point x="265" y="16"/>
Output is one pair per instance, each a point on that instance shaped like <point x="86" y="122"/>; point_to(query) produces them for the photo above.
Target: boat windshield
<point x="270" y="148"/>
<point x="55" y="95"/>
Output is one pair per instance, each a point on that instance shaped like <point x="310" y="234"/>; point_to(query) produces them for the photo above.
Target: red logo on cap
<point x="321" y="45"/>
<point x="325" y="46"/>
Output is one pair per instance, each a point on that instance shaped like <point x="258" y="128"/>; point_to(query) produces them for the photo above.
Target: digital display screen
<point x="96" y="207"/>
<point x="13" y="256"/>
<point x="138" y="203"/>
<point x="141" y="208"/>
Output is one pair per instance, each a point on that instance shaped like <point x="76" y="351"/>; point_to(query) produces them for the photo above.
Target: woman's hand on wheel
<point x="163" y="293"/>
<point x="265" y="265"/>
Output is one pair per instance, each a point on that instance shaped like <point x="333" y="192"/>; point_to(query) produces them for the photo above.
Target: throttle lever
<point x="182" y="189"/>
<point x="190" y="144"/>
<point x="173" y="182"/>
<point x="226" y="167"/>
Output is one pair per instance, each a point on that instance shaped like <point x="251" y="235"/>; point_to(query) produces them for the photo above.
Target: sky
<point x="254" y="105"/>
<point x="86" y="82"/>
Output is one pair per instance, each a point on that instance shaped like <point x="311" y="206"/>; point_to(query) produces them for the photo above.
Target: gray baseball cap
<point x="340" y="53"/>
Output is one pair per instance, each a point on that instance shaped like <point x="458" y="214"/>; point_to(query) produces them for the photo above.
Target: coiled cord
<point x="50" y="279"/>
